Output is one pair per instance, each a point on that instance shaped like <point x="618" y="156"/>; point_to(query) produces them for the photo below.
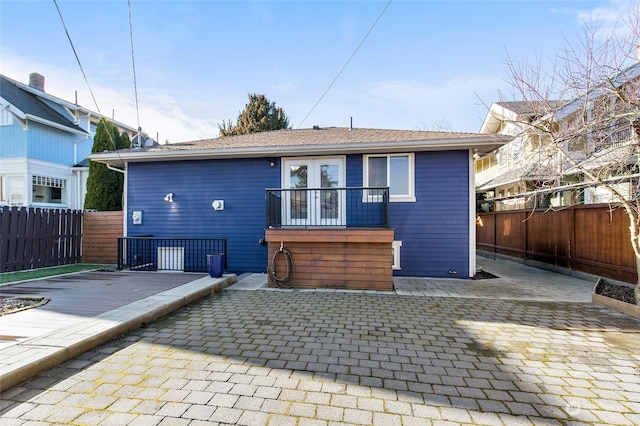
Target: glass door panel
<point x="329" y="200"/>
<point x="299" y="202"/>
<point x="316" y="204"/>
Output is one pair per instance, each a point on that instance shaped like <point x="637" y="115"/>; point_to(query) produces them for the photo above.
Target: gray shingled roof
<point x="312" y="137"/>
<point x="30" y="104"/>
<point x="305" y="142"/>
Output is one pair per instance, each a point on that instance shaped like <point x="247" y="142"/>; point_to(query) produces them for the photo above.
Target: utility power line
<point x="346" y="63"/>
<point x="77" y="58"/>
<point x="133" y="62"/>
<point x="113" y="142"/>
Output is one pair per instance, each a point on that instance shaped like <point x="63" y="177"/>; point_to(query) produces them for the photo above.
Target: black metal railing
<point x="328" y="207"/>
<point x="168" y="254"/>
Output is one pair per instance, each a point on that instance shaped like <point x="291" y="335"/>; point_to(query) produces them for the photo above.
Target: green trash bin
<point x="215" y="264"/>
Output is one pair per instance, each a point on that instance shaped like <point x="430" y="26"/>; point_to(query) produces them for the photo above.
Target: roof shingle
<point x="308" y="137"/>
<point x="30" y="104"/>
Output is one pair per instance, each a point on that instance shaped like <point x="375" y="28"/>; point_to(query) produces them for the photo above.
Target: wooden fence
<point x="35" y="238"/>
<point x="100" y="237"/>
<point x="588" y="238"/>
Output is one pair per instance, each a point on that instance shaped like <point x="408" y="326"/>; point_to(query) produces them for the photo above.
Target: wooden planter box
<point x="625" y="308"/>
<point x="353" y="259"/>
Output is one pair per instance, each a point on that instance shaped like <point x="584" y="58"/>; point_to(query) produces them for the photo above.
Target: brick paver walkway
<point x="327" y="358"/>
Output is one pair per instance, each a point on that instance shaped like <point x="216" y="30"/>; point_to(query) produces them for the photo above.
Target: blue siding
<point x="240" y="183"/>
<point x="13" y="141"/>
<point x="435" y="229"/>
<point x="44" y="143"/>
<point x="50" y="144"/>
<point x="83" y="147"/>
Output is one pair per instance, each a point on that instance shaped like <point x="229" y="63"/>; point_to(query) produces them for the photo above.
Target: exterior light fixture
<point x="272" y="162"/>
<point x="169" y="197"/>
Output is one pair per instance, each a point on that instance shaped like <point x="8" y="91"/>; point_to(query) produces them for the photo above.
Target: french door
<point x="312" y="199"/>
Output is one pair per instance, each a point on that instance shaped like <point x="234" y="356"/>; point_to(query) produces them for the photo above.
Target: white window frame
<point x="313" y="164"/>
<point x="407" y="198"/>
<point x="48" y="184"/>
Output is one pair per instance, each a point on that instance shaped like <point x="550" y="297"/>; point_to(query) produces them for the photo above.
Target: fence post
<point x="525" y="234"/>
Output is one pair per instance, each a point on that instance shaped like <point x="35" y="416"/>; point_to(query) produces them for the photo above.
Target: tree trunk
<point x="636" y="291"/>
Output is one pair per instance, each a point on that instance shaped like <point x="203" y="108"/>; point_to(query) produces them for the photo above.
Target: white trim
<point x="395" y="246"/>
<point x="472" y="216"/>
<point x="55" y="125"/>
<point x="408" y="198"/>
<point x="125" y="200"/>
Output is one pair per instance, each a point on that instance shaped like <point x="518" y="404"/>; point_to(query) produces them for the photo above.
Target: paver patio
<point x="269" y="357"/>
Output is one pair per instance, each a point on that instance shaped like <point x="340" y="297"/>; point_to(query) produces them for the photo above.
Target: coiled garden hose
<point x="281" y="281"/>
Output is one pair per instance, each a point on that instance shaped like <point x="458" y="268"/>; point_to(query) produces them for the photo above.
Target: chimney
<point x="36" y="81"/>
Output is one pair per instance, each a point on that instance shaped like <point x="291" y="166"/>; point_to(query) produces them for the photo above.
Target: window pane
<point x="329" y="200"/>
<point x="329" y="175"/>
<point x="298" y="176"/>
<point x="377" y="171"/>
<point x="298" y="201"/>
<point x="15" y="189"/>
<point x="399" y="184"/>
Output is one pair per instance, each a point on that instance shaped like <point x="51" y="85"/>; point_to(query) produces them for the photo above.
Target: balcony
<point x="328" y="208"/>
<point x="337" y="238"/>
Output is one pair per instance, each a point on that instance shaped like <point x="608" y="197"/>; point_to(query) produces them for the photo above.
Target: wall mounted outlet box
<point x="136" y="217"/>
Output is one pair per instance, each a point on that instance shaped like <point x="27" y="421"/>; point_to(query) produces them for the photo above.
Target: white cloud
<point x="456" y="104"/>
<point x="611" y="19"/>
<point x="160" y="114"/>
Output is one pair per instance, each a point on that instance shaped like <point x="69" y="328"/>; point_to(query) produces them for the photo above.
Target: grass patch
<point x="10" y="277"/>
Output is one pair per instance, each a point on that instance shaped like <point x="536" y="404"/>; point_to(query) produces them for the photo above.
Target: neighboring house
<point x="519" y="166"/>
<point x="595" y="133"/>
<point x="44" y="142"/>
<point x="300" y="183"/>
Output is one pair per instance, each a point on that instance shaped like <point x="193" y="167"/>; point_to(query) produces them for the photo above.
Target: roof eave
<point x="56" y="125"/>
<point x="485" y="144"/>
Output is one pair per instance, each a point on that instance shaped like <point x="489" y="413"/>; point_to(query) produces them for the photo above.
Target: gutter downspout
<point x="110" y="167"/>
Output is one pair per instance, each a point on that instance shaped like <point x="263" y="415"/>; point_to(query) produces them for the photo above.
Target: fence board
<point x="100" y="234"/>
<point x="76" y="249"/>
<point x="29" y="237"/>
<point x="35" y="238"/>
<point x="588" y="238"/>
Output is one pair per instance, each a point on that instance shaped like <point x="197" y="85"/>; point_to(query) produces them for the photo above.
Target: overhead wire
<point x="76" y="55"/>
<point x="133" y="62"/>
<point x="64" y="26"/>
<point x="346" y="63"/>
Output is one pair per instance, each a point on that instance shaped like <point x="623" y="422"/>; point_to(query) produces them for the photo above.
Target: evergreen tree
<point x="104" y="186"/>
<point x="259" y="115"/>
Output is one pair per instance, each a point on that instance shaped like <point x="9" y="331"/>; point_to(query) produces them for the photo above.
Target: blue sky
<point x="425" y="64"/>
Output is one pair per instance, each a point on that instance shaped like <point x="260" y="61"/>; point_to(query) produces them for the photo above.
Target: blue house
<point x="411" y="191"/>
<point x="44" y="142"/>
